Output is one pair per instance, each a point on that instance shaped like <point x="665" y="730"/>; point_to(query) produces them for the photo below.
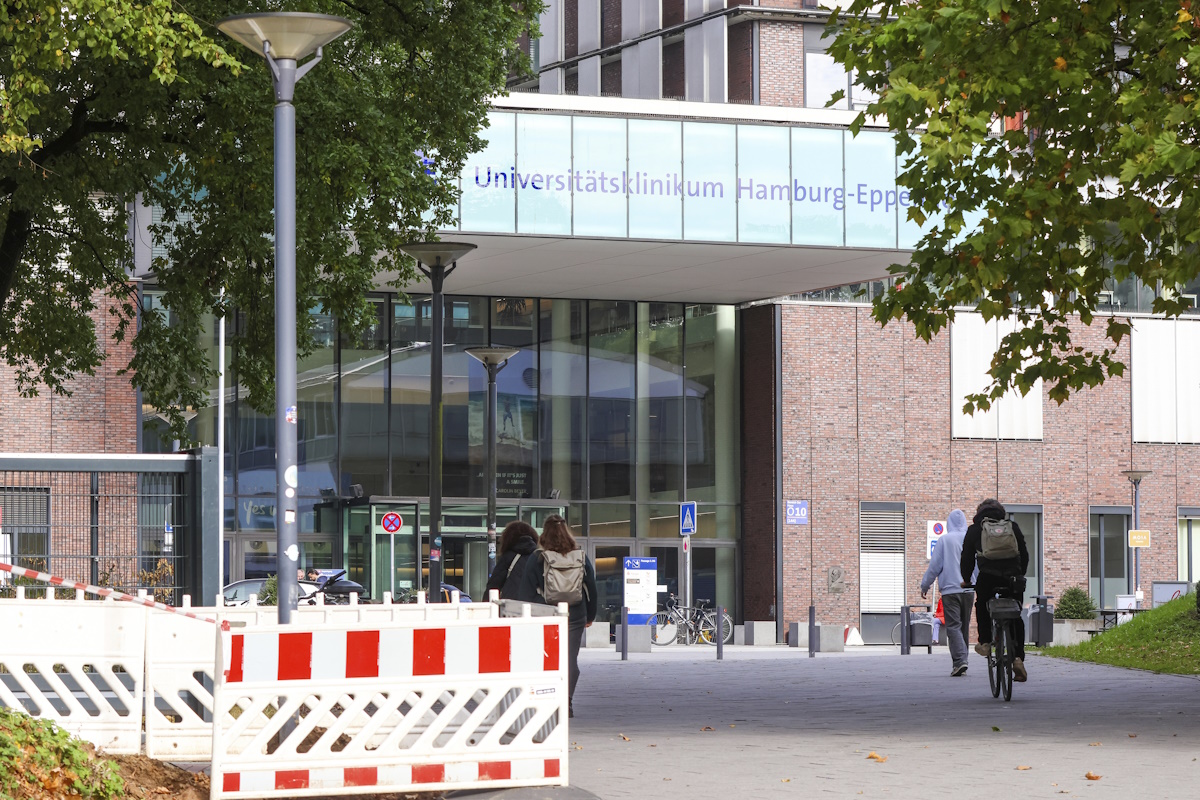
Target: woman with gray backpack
<point x="559" y="572"/>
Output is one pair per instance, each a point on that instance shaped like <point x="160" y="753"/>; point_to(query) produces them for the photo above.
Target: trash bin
<point x="920" y="629"/>
<point x="1039" y="627"/>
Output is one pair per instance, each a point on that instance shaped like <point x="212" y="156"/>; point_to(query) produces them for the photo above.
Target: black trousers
<point x="986" y="587"/>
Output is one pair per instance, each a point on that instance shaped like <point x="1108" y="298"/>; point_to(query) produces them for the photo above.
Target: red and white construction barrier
<point x="102" y="591"/>
<point x="351" y="709"/>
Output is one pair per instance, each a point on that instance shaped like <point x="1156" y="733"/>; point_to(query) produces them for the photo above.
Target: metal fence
<point x="125" y="522"/>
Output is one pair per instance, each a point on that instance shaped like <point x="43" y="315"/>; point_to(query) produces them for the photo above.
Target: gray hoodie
<point x="947" y="552"/>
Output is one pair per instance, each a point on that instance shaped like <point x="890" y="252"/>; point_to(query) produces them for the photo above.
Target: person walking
<point x="1002" y="560"/>
<point x="956" y="601"/>
<point x="563" y="573"/>
<point x="518" y="543"/>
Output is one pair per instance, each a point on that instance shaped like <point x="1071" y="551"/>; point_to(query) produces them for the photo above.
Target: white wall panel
<point x="881" y="583"/>
<point x="589" y="77"/>
<point x="1187" y="381"/>
<point x="1152" y="380"/>
<point x="589" y="25"/>
<point x="972" y="343"/>
<point x="1020" y="417"/>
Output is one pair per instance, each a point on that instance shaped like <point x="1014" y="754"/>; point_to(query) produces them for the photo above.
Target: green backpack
<point x="563" y="576"/>
<point x="998" y="540"/>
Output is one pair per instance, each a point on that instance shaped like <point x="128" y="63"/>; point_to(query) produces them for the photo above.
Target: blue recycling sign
<point x="796" y="512"/>
<point x="687" y="518"/>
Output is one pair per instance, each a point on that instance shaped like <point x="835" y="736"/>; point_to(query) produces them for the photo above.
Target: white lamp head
<point x="292" y="34"/>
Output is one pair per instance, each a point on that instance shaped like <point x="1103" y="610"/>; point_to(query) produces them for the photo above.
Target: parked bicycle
<point x="1004" y="611"/>
<point x="688" y="624"/>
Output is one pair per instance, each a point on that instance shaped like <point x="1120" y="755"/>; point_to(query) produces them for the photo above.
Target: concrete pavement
<point x="771" y="722"/>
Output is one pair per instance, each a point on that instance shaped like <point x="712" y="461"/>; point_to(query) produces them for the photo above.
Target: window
<point x="823" y="76"/>
<point x="881" y="568"/>
<point x="973" y="341"/>
<point x="1165" y="380"/>
<point x="1029" y="519"/>
<point x="1108" y="554"/>
<point x="1189" y="544"/>
<point x="24" y="528"/>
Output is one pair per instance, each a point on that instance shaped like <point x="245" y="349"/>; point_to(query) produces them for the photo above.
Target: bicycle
<point x="1003" y="610"/>
<point x="689" y="624"/>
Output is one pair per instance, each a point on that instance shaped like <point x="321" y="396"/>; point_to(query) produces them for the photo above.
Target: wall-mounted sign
<point x="933" y="529"/>
<point x="1139" y="538"/>
<point x="796" y="512"/>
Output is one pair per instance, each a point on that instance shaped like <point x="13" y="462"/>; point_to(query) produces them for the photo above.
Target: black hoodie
<point x="971" y="546"/>
<point x="523" y="547"/>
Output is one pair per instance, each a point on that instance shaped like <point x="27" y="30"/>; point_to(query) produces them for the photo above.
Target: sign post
<point x="641" y="589"/>
<point x="687" y="526"/>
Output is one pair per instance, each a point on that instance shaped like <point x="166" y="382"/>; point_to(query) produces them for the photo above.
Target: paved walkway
<point x="770" y="722"/>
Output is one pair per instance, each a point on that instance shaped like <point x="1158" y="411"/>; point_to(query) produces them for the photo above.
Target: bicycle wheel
<point x="727" y="630"/>
<point x="1006" y="674"/>
<point x="994" y="661"/>
<point x="706" y="630"/>
<point x="896" y="635"/>
<point x="664" y="629"/>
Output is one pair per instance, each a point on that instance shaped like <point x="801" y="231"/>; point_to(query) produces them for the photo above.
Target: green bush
<point x="38" y="756"/>
<point x="270" y="592"/>
<point x="1075" y="603"/>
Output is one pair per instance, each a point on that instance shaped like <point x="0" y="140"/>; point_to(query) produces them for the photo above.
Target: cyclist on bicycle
<point x="1001" y="571"/>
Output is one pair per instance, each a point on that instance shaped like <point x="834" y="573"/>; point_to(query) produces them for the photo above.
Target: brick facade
<point x="673" y="82"/>
<point x="99" y="416"/>
<point x="610" y="24"/>
<point x="741" y="63"/>
<point x="780" y="64"/>
<point x="570" y="28"/>
<point x="866" y="417"/>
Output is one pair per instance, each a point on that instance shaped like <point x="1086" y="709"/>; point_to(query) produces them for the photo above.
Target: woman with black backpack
<point x="563" y="574"/>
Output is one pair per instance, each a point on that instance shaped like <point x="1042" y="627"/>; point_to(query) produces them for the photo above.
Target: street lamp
<point x="432" y="258"/>
<point x="494" y="358"/>
<point x="1135" y="477"/>
<point x="283" y="39"/>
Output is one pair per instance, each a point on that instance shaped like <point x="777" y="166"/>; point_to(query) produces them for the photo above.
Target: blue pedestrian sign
<point x="687" y="518"/>
<point x="797" y="512"/>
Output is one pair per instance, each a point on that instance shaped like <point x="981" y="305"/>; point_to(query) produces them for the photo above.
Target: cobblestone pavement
<point x="771" y="722"/>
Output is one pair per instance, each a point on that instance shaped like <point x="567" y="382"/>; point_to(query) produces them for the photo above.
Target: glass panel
<point x="710" y="182"/>
<point x="1192" y="294"/>
<point x="764" y="187"/>
<point x="1031" y="528"/>
<point x="513" y="323"/>
<point x="870" y="189"/>
<point x="601" y="208"/>
<point x="364" y="406"/>
<point x="668" y="569"/>
<point x="410" y="398"/>
<point x="563" y="397"/>
<point x="714" y="577"/>
<point x="464" y="398"/>
<point x="316" y="555"/>
<point x="822" y="77"/>
<point x="611" y="360"/>
<point x="711" y="397"/>
<point x="660" y="401"/>
<point x="1107" y="554"/>
<point x="818" y="196"/>
<point x="610" y="580"/>
<point x="488" y="187"/>
<point x="1189" y="550"/>
<point x="258" y="557"/>
<point x="465" y="565"/>
<point x="655" y="170"/>
<point x="543" y="174"/>
<point x="609" y="520"/>
<point x="659" y="521"/>
<point x="716" y="522"/>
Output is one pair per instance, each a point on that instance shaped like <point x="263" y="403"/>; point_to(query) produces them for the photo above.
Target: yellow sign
<point x="1139" y="538"/>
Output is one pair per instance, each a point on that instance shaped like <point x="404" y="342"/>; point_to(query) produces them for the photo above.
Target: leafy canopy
<point x="109" y="101"/>
<point x="1070" y="129"/>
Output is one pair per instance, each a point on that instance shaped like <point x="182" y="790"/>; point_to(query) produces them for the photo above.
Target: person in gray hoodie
<point x="956" y="601"/>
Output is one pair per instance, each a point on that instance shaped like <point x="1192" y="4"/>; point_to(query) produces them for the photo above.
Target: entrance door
<point x="609" y="560"/>
<point x="380" y="546"/>
<point x="669" y="558"/>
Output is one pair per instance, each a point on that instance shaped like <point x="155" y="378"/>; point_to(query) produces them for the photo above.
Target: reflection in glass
<point x="714" y="577"/>
<point x="513" y="325"/>
<point x="364" y="411"/>
<point x="609" y="563"/>
<point x="659" y="521"/>
<point x="611" y="357"/>
<point x="488" y="179"/>
<point x="871" y="197"/>
<point x="410" y="397"/>
<point x="1107" y="553"/>
<point x="822" y="78"/>
<point x="543" y="175"/>
<point x="716" y="522"/>
<point x="764" y="184"/>
<point x="610" y="520"/>
<point x="1031" y="528"/>
<point x="600" y="201"/>
<point x="818" y="195"/>
<point x="660" y="401"/>
<point x="563" y="397"/>
<point x="464" y="398"/>
<point x="712" y="404"/>
<point x="655" y="172"/>
<point x="710" y="182"/>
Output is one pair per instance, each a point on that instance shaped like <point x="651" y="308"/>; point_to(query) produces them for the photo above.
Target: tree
<point x="1051" y="147"/>
<point x="126" y="98"/>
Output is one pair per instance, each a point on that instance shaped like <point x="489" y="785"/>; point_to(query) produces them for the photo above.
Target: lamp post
<point x="1135" y="477"/>
<point x="432" y="258"/>
<point x="283" y="39"/>
<point x="494" y="358"/>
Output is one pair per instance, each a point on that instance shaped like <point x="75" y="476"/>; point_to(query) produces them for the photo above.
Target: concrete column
<point x="550" y="48"/>
<point x="589" y="26"/>
<point x="589" y="77"/>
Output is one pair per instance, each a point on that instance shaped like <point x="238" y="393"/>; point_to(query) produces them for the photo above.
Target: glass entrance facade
<point x="612" y="412"/>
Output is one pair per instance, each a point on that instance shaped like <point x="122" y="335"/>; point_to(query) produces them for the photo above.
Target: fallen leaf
<point x="651" y="745"/>
<point x="1022" y="767"/>
<point x="666" y="779"/>
<point x="1095" y="744"/>
<point x="162" y="790"/>
<point x="997" y="730"/>
<point x="707" y="728"/>
<point x="734" y="726"/>
<point x="626" y="738"/>
<point x="1133" y="736"/>
<point x="785" y="780"/>
<point x="876" y="757"/>
<point x="1091" y="776"/>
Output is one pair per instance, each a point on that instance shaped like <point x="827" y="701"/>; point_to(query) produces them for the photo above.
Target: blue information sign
<point x="797" y="512"/>
<point x="640" y="594"/>
<point x="687" y="518"/>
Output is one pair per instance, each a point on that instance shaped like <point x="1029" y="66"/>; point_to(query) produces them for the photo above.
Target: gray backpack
<point x="997" y="540"/>
<point x="563" y="576"/>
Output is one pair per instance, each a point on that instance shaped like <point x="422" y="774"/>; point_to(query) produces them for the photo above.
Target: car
<point x="238" y="593"/>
